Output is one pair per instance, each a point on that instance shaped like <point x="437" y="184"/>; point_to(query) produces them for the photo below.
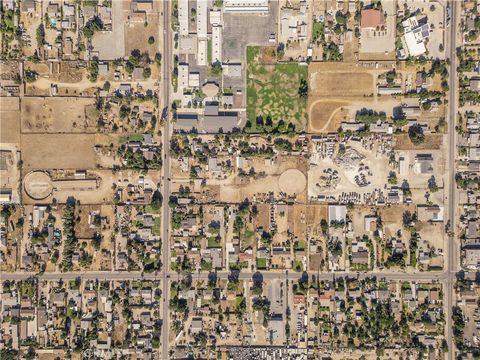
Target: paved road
<point x="243" y="275"/>
<point x="453" y="246"/>
<point x="453" y="249"/>
<point x="167" y="56"/>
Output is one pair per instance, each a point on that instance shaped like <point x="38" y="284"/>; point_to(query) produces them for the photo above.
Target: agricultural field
<point x="273" y="90"/>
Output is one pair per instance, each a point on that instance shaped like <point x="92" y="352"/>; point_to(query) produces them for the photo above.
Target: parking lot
<point x="242" y="30"/>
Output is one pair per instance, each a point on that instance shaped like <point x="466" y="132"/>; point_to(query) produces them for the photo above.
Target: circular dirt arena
<point x="292" y="182"/>
<point x="38" y="185"/>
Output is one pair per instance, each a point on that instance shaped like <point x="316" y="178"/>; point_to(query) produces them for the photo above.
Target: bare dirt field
<point x="392" y="220"/>
<point x="432" y="142"/>
<point x="433" y="233"/>
<point x="82" y="227"/>
<point x="394" y="213"/>
<point x="9" y="120"/>
<point x="58" y="151"/>
<point x="239" y="190"/>
<point x="338" y="79"/>
<point x="37" y="185"/>
<point x="299" y="218"/>
<point x="52" y="115"/>
<point x="263" y="217"/>
<point x="292" y="182"/>
<point x="136" y="37"/>
<point x="326" y="116"/>
<point x="315" y="214"/>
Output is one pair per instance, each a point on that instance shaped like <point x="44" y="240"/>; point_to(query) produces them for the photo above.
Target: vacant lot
<point x="58" y="151"/>
<point x="273" y="90"/>
<point x="83" y="230"/>
<point x="338" y="79"/>
<point x="137" y="34"/>
<point x="315" y="214"/>
<point x="58" y="115"/>
<point x="299" y="218"/>
<point x="326" y="116"/>
<point x="9" y="120"/>
<point x="432" y="142"/>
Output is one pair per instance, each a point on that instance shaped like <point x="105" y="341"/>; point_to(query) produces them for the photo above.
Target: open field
<point x="9" y="120"/>
<point x="432" y="142"/>
<point x="326" y="116"/>
<point x="338" y="79"/>
<point x="276" y="85"/>
<point x="236" y="189"/>
<point x="137" y="34"/>
<point x="58" y="151"/>
<point x="315" y="214"/>
<point x="335" y="91"/>
<point x="63" y="115"/>
<point x="300" y="224"/>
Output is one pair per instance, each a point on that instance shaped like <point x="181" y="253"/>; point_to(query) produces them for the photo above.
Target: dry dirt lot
<point x="432" y="232"/>
<point x="137" y="34"/>
<point x="333" y="86"/>
<point x="432" y="142"/>
<point x="263" y="217"/>
<point x="299" y="221"/>
<point x="9" y="120"/>
<point x="338" y="79"/>
<point x="58" y="151"/>
<point x="82" y="228"/>
<point x="394" y="213"/>
<point x="239" y="190"/>
<point x="326" y="116"/>
<point x="315" y="214"/>
<point x="63" y="115"/>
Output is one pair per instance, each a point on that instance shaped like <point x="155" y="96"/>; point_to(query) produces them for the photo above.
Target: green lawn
<point x="247" y="235"/>
<point x="297" y="265"/>
<point x="213" y="243"/>
<point x="156" y="226"/>
<point x="272" y="91"/>
<point x="150" y="210"/>
<point x="299" y="246"/>
<point x="131" y="137"/>
<point x="318" y="29"/>
<point x="209" y="51"/>
<point x="261" y="264"/>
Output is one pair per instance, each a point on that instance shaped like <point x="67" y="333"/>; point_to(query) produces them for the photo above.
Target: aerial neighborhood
<point x="239" y="179"/>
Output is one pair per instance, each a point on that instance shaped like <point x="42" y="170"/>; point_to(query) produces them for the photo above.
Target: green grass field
<point x="272" y="90"/>
<point x="261" y="264"/>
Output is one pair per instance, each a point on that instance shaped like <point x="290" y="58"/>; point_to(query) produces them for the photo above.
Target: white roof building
<point x="183" y="17"/>
<point x="194" y="80"/>
<point x="337" y="214"/>
<point x="183" y="75"/>
<point x="202" y="15"/>
<point x="217" y="44"/>
<point x="415" y="47"/>
<point x="202" y="49"/>
<point x="215" y="17"/>
<point x="415" y="34"/>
